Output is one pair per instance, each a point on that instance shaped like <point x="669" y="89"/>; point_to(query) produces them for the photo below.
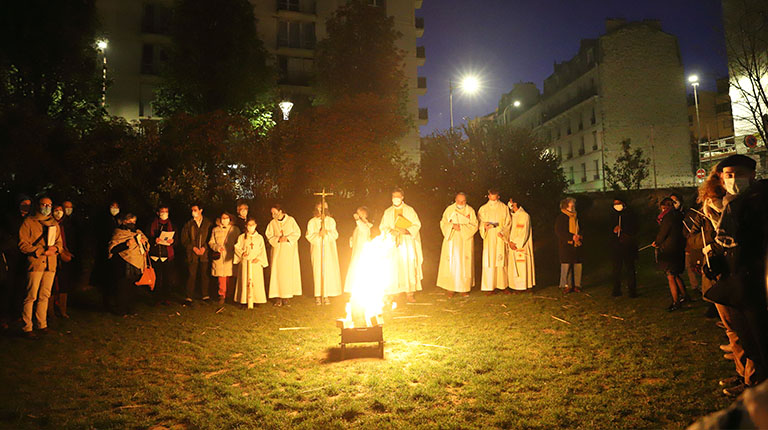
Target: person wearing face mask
<point x="162" y="254"/>
<point x="16" y="285"/>
<point x="456" y="273"/>
<point x="569" y="240"/>
<point x="360" y="237"/>
<point x="100" y="273"/>
<point x="495" y="223"/>
<point x="623" y="240"/>
<point x="401" y="222"/>
<point x="670" y="251"/>
<point x="251" y="259"/>
<point x="520" y="264"/>
<point x="738" y="263"/>
<point x="194" y="237"/>
<point x="283" y="235"/>
<point x="70" y="225"/>
<point x="242" y="216"/>
<point x="128" y="259"/>
<point x="677" y="202"/>
<point x="40" y="240"/>
<point x="322" y="236"/>
<point x="223" y="239"/>
<point x="65" y="274"/>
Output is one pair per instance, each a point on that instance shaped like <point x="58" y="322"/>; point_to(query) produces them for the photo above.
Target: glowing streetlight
<point x="468" y="84"/>
<point x="101" y="45"/>
<point x="694" y="81"/>
<point x="285" y="108"/>
<point x="516" y="103"/>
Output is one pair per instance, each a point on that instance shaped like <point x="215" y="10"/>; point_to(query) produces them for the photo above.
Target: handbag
<point x="148" y="276"/>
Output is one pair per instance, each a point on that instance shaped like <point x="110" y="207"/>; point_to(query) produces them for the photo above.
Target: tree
<point x="477" y="158"/>
<point x="746" y="36"/>
<point x="360" y="56"/>
<point x="629" y="170"/>
<point x="217" y="61"/>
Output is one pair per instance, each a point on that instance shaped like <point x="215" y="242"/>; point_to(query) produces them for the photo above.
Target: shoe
<point x="318" y="301"/>
<point x="726" y="348"/>
<point x="44" y="331"/>
<point x="286" y="302"/>
<point x="735" y="391"/>
<point x="673" y="307"/>
<point x="489" y="293"/>
<point x="188" y="301"/>
<point x="326" y="301"/>
<point x="577" y="289"/>
<point x="464" y="294"/>
<point x="720" y="324"/>
<point x="221" y="300"/>
<point x="507" y="291"/>
<point x="567" y="290"/>
<point x="729" y="356"/>
<point x="206" y="298"/>
<point x="729" y="382"/>
<point x="450" y="294"/>
<point x="410" y="298"/>
<point x="278" y="303"/>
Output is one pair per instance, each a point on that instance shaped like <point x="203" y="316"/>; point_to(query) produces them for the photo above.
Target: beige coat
<point x="135" y="255"/>
<point x="226" y="237"/>
<point x="33" y="229"/>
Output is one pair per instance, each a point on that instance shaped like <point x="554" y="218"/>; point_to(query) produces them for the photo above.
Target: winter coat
<point x="33" y="237"/>
<point x="193" y="236"/>
<point x="569" y="253"/>
<point x="625" y="242"/>
<point x="670" y="243"/>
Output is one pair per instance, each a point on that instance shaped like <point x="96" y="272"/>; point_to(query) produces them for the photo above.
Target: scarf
<point x="662" y="214"/>
<point x="133" y="254"/>
<point x="713" y="209"/>
<point x="573" y="222"/>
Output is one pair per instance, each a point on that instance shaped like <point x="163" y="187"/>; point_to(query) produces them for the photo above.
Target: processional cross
<point x="322" y="195"/>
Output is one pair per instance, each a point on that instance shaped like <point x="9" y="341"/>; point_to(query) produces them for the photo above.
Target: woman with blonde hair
<point x="569" y="246"/>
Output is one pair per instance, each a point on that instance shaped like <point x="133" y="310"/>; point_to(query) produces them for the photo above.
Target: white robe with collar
<point x="457" y="269"/>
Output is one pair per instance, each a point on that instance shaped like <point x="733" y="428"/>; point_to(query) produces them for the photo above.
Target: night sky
<point x="507" y="41"/>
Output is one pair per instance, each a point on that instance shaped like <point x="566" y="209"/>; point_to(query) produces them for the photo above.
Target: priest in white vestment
<point x="520" y="264"/>
<point x="494" y="226"/>
<point x="283" y="235"/>
<point x="250" y="259"/>
<point x="322" y="235"/>
<point x="360" y="237"/>
<point x="456" y="273"/>
<point x="401" y="222"/>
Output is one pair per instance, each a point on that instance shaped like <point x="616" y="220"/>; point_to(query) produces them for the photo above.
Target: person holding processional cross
<point x="322" y="236"/>
<point x="401" y="222"/>
<point x="456" y="273"/>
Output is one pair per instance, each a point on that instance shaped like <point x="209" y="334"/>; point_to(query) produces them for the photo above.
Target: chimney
<point x="653" y="23"/>
<point x="612" y="24"/>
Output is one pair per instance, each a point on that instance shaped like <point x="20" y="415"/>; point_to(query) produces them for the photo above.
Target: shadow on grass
<point x="356" y="352"/>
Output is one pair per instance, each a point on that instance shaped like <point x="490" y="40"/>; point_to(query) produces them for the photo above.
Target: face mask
<point x="618" y="208"/>
<point x="225" y="222"/>
<point x="397" y="201"/>
<point x="251" y="229"/>
<point x="114" y="211"/>
<point x="68" y="211"/>
<point x="130" y="226"/>
<point x="735" y="185"/>
<point x="458" y="206"/>
<point x="163" y="216"/>
<point x="511" y="207"/>
<point x="45" y="210"/>
<point x="25" y="208"/>
<point x="243" y="213"/>
<point x="58" y="214"/>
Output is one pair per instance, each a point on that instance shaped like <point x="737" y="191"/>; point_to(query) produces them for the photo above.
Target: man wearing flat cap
<point x="737" y="262"/>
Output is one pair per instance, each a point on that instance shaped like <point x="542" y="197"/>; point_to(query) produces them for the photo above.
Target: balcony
<point x="581" y="151"/>
<point x="554" y="110"/>
<point x="421" y="85"/>
<point x="423" y="116"/>
<point x="296" y="7"/>
<point x="421" y="55"/>
<point x="583" y="179"/>
<point x="419" y="27"/>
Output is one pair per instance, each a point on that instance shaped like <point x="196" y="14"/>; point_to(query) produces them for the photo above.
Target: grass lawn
<point x="482" y="362"/>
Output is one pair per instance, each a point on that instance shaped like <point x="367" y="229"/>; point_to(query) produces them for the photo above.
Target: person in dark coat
<point x="624" y="246"/>
<point x="569" y="246"/>
<point x="162" y="254"/>
<point x="15" y="261"/>
<point x="670" y="250"/>
<point x="194" y="237"/>
<point x="738" y="263"/>
<point x="100" y="276"/>
<point x="63" y="284"/>
<point x="127" y="261"/>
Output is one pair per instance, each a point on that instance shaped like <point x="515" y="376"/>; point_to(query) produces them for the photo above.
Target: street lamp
<point x="285" y="107"/>
<point x="101" y="45"/>
<point x="694" y="81"/>
<point x="516" y="103"/>
<point x="468" y="84"/>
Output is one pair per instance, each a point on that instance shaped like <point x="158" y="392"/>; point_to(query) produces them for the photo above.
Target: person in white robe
<point x="283" y="235"/>
<point x="223" y="238"/>
<point x="401" y="222"/>
<point x="360" y="237"/>
<point x="322" y="235"/>
<point x="494" y="222"/>
<point x="521" y="268"/>
<point x="456" y="273"/>
<point x="250" y="259"/>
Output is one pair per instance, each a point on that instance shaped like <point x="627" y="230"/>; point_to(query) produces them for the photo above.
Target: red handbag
<point x="148" y="276"/>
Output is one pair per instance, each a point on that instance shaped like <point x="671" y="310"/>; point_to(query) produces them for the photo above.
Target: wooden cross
<point x="322" y="195"/>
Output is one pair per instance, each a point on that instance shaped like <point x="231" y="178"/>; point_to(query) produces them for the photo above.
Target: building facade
<point x="138" y="34"/>
<point x="627" y="86"/>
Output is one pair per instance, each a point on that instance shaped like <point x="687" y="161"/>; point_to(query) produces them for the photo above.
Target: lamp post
<point x="101" y="45"/>
<point x="694" y="80"/>
<point x="285" y="108"/>
<point x="468" y="84"/>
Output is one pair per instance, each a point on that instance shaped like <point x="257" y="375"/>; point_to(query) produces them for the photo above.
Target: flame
<point x="371" y="276"/>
